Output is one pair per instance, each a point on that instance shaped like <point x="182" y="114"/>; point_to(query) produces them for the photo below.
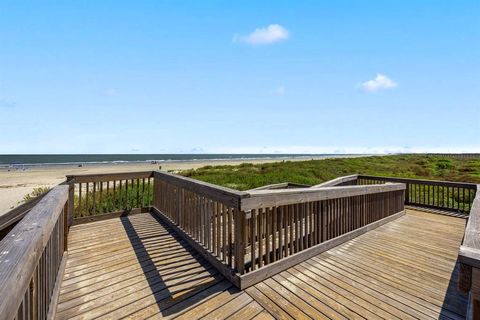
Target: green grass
<point x="35" y="193"/>
<point x="247" y="176"/>
<point x="124" y="199"/>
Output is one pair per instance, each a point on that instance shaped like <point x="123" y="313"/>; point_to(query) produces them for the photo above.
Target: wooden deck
<point x="135" y="267"/>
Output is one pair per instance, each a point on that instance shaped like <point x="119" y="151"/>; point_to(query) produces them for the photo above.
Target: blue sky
<point x="239" y="76"/>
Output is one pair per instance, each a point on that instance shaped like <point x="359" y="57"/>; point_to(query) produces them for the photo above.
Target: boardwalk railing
<point x="285" y="227"/>
<point x="108" y="195"/>
<point x="245" y="235"/>
<point x="251" y="235"/>
<point x="441" y="195"/>
<point x="208" y="216"/>
<point x="11" y="218"/>
<point x="469" y="257"/>
<point x="32" y="259"/>
<point x="351" y="180"/>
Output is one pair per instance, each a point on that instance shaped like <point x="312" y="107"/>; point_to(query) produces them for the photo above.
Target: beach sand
<point x="15" y="184"/>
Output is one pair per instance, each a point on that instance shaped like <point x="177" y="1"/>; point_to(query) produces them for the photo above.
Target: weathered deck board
<point x="136" y="267"/>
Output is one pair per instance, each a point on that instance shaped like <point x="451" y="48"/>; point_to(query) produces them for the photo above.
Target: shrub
<point x="35" y="193"/>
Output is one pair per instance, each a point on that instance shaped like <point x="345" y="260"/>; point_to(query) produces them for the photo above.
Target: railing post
<point x="33" y="288"/>
<point x="240" y="234"/>
<point x="156" y="191"/>
<point x="475" y="295"/>
<point x="407" y="193"/>
<point x="66" y="209"/>
<point x="71" y="200"/>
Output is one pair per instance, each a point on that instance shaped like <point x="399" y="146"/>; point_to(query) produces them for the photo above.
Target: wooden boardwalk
<point x="135" y="267"/>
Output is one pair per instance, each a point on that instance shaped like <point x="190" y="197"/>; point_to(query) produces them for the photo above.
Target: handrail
<point x="250" y="235"/>
<point x="449" y="196"/>
<point x="104" y="177"/>
<point x="282" y="185"/>
<point x="338" y="181"/>
<point x="221" y="194"/>
<point x="101" y="196"/>
<point x="420" y="181"/>
<point x="266" y="198"/>
<point x="470" y="249"/>
<point x="469" y="258"/>
<point x="10" y="218"/>
<point x="24" y="285"/>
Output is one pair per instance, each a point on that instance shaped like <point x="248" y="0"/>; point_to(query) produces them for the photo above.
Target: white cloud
<point x="380" y="82"/>
<point x="267" y="35"/>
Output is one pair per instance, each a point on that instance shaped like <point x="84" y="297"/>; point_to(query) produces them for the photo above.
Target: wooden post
<point x="156" y="192"/>
<point x="475" y="295"/>
<point x="240" y="234"/>
<point x="407" y="194"/>
<point x="34" y="296"/>
<point x="66" y="209"/>
<point x="71" y="197"/>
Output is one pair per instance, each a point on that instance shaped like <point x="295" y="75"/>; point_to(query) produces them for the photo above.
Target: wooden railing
<point x="106" y="195"/>
<point x="285" y="227"/>
<point x="206" y="214"/>
<point x="455" y="155"/>
<point x="283" y="185"/>
<point x="351" y="180"/>
<point x="9" y="219"/>
<point x="469" y="258"/>
<point x="441" y="195"/>
<point x="32" y="259"/>
<point x="250" y="235"/>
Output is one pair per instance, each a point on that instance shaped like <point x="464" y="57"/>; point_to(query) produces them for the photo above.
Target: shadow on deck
<point x="137" y="267"/>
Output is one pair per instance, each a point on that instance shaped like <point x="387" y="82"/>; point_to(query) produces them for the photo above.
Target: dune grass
<point x="247" y="176"/>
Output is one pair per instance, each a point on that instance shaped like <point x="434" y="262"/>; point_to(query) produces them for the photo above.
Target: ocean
<point x="31" y="160"/>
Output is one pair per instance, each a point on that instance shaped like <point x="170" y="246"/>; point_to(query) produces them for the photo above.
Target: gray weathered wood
<point x="110" y="215"/>
<point x="259" y="275"/>
<point x="16" y="214"/>
<point x="472" y="231"/>
<point x="52" y="309"/>
<point x="224" y="195"/>
<point x="23" y="247"/>
<point x="283" y="185"/>
<point x="104" y="177"/>
<point x="470" y="250"/>
<point x="269" y="198"/>
<point x="337" y="181"/>
<point x="420" y="181"/>
<point x="225" y="270"/>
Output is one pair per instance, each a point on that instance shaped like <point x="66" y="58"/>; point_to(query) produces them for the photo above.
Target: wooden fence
<point x="11" y="218"/>
<point x="109" y="195"/>
<point x="469" y="257"/>
<point x="250" y="235"/>
<point x="455" y="155"/>
<point x="351" y="180"/>
<point x="441" y="195"/>
<point x="32" y="259"/>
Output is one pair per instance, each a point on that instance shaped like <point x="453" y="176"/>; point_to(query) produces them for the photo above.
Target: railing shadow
<point x="454" y="302"/>
<point x="175" y="287"/>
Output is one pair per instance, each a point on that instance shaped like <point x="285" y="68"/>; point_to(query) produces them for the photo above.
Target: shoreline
<point x="15" y="184"/>
<point x="21" y="161"/>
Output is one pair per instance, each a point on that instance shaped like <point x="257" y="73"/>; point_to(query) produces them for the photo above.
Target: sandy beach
<point x="15" y="184"/>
